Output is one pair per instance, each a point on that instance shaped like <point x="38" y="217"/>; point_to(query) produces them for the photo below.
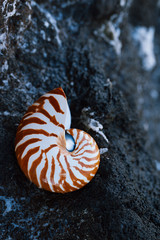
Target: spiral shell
<point x="41" y="146"/>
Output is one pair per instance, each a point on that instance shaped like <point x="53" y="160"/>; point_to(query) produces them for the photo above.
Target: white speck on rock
<point x="5" y="82"/>
<point x="154" y="94"/>
<point x="103" y="150"/>
<point x="145" y="38"/>
<point x="122" y="3"/>
<point x="43" y="34"/>
<point x="5" y="66"/>
<point x="3" y="39"/>
<point x="157" y="165"/>
<point x="44" y="54"/>
<point x="34" y="50"/>
<point x="6" y="113"/>
<point x="46" y="24"/>
<point x="146" y="126"/>
<point x="12" y="75"/>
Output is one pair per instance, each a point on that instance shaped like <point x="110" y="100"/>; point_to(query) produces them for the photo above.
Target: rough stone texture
<point x="77" y="45"/>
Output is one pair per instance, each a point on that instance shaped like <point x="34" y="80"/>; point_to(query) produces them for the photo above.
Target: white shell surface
<point x="41" y="146"/>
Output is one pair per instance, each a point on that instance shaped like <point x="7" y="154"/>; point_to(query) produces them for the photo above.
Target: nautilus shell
<point x="53" y="156"/>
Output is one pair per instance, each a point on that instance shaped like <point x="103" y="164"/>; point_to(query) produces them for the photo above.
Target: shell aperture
<point x="53" y="156"/>
<point x="70" y="142"/>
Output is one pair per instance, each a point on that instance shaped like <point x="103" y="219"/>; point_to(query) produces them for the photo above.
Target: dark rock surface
<point x="79" y="45"/>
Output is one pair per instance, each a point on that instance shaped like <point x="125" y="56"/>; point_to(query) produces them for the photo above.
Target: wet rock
<point x="47" y="44"/>
<point x="144" y="15"/>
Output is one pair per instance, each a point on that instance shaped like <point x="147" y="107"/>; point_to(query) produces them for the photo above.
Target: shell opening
<point x="70" y="142"/>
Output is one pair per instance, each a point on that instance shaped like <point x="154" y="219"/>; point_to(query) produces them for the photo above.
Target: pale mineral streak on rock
<point x="103" y="150"/>
<point x="122" y="3"/>
<point x="3" y="40"/>
<point x="50" y="19"/>
<point x="10" y="204"/>
<point x="111" y="34"/>
<point x="145" y="37"/>
<point x="8" y="13"/>
<point x="91" y="123"/>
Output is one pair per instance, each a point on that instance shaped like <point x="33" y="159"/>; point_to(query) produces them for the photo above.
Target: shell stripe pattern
<point x="40" y="146"/>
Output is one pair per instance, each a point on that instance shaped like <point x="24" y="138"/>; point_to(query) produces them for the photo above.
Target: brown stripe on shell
<point x="65" y="184"/>
<point x="53" y="135"/>
<point x="23" y="146"/>
<point x="77" y="146"/>
<point x="24" y="162"/>
<point x="62" y="174"/>
<point x="87" y="166"/>
<point x="88" y="159"/>
<point x="45" y="113"/>
<point x="43" y="178"/>
<point x="78" y="133"/>
<point x="78" y="150"/>
<point x="85" y="151"/>
<point x="58" y="91"/>
<point x="49" y="148"/>
<point x="53" y="101"/>
<point x="73" y="177"/>
<point x="20" y="135"/>
<point x="87" y="173"/>
<point x="27" y="114"/>
<point x="52" y="173"/>
<point x="31" y="120"/>
<point x="32" y="172"/>
<point x="53" y="120"/>
<point x="32" y="109"/>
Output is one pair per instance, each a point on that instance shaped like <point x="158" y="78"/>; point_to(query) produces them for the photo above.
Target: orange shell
<point x="40" y="146"/>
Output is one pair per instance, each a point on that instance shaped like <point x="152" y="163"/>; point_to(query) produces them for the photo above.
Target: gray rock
<point x="86" y="47"/>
